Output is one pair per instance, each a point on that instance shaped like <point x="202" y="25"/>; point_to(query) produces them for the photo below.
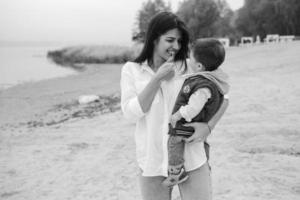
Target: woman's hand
<point x="202" y="130"/>
<point x="166" y="71"/>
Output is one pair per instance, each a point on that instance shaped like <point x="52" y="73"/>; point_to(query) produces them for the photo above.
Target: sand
<point x="53" y="148"/>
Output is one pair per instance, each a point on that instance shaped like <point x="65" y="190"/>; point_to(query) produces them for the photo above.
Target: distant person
<point x="199" y="99"/>
<point x="149" y="87"/>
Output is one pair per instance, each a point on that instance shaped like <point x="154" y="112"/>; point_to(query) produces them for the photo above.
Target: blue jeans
<point x="197" y="187"/>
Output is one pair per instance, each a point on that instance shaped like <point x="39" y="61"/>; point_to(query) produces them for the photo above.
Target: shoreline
<point x="6" y="86"/>
<point x="26" y="100"/>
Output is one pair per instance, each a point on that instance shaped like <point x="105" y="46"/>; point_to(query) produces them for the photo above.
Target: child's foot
<point x="174" y="179"/>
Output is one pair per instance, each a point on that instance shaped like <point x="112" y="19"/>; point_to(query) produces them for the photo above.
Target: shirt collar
<point x="146" y="67"/>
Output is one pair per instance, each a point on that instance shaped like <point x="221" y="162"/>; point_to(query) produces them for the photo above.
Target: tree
<point x="224" y="25"/>
<point x="199" y="16"/>
<point x="148" y="10"/>
<point x="262" y="17"/>
<point x="288" y="14"/>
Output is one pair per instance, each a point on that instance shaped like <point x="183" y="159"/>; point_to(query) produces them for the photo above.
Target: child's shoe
<point x="174" y="179"/>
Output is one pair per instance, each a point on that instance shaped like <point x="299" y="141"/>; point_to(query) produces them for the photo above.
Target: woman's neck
<point x="156" y="62"/>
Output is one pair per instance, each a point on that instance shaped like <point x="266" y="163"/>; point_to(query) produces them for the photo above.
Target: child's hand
<point x="174" y="118"/>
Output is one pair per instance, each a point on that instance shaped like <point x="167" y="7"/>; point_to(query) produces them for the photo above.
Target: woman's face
<point x="167" y="44"/>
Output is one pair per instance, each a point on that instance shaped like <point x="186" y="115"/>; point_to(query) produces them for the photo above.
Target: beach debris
<point x="91" y="106"/>
<point x="72" y="110"/>
<point x="85" y="99"/>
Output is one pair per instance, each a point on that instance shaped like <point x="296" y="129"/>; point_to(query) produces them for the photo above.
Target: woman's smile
<point x="171" y="52"/>
<point x="168" y="44"/>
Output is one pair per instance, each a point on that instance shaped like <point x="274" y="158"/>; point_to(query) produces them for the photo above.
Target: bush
<point x="91" y="55"/>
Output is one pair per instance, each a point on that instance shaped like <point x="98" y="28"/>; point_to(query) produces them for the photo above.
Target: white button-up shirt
<point x="151" y="132"/>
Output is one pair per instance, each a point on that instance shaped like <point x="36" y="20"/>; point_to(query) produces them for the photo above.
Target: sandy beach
<point x="53" y="148"/>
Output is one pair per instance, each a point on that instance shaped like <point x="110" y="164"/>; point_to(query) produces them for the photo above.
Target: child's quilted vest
<point x="191" y="85"/>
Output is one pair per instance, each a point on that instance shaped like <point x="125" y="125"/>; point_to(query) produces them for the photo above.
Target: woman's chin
<point x="164" y="58"/>
<point x="167" y="57"/>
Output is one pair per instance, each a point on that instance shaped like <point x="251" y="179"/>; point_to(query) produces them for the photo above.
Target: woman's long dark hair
<point x="160" y="24"/>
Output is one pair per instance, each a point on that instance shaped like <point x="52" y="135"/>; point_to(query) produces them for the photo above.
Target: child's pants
<point x="176" y="148"/>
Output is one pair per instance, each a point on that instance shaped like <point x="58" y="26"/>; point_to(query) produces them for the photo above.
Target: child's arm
<point x="202" y="129"/>
<point x="175" y="117"/>
<point x="196" y="103"/>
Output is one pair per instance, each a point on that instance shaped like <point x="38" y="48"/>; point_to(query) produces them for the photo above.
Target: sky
<point x="99" y="22"/>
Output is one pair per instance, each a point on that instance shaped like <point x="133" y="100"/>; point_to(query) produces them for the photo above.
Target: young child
<point x="199" y="99"/>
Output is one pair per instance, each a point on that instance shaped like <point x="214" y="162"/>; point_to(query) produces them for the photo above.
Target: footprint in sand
<point x="75" y="147"/>
<point x="9" y="194"/>
<point x="258" y="108"/>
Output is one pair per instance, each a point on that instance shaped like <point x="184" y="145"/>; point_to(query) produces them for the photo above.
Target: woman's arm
<point x="165" y="72"/>
<point x="129" y="101"/>
<point x="134" y="105"/>
<point x="146" y="97"/>
<point x="214" y="120"/>
<point x="202" y="130"/>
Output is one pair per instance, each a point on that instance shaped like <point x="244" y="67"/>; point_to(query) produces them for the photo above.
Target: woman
<point x="149" y="87"/>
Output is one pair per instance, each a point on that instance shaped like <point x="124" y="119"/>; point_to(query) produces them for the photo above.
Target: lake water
<point x="19" y="64"/>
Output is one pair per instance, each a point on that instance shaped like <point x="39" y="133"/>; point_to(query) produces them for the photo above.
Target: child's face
<point x="195" y="65"/>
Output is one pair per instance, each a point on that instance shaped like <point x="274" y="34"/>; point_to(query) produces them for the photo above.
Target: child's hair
<point x="209" y="52"/>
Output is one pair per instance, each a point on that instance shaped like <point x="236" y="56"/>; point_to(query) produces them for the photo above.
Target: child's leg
<point x="175" y="151"/>
<point x="175" y="148"/>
